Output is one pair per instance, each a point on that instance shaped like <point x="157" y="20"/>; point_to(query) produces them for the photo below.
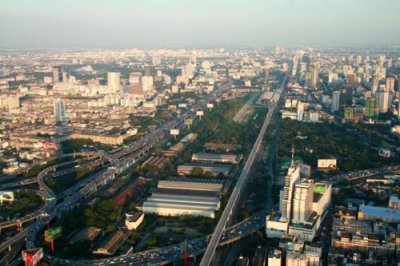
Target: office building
<point x="9" y="102"/>
<point x="113" y="81"/>
<point x="303" y="207"/>
<point x="375" y="85"/>
<point x="57" y="75"/>
<point x="148" y="84"/>
<point x="302" y="201"/>
<point x="286" y="195"/>
<point x="59" y="110"/>
<point x="335" y="101"/>
<point x="371" y="108"/>
<point x="314" y="75"/>
<point x="390" y="84"/>
<point x="383" y="97"/>
<point x="300" y="111"/>
<point x="135" y="83"/>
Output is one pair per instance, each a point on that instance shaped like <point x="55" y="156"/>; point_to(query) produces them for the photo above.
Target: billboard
<point x="174" y="132"/>
<point x="52" y="233"/>
<point x="305" y="170"/>
<point x="327" y="163"/>
<point x="210" y="105"/>
<point x="188" y="122"/>
<point x="32" y="256"/>
<point x="200" y="113"/>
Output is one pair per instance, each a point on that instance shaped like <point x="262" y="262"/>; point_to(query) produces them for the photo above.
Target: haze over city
<point x="191" y="23"/>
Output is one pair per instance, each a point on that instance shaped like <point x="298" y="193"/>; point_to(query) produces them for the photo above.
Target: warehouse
<point x="185" y="183"/>
<point x="207" y="157"/>
<point x="214" y="169"/>
<point x="197" y="199"/>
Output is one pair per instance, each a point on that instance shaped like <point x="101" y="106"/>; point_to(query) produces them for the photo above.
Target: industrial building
<point x="388" y="215"/>
<point x="86" y="234"/>
<point x="174" y="198"/>
<point x="110" y="244"/>
<point x="207" y="157"/>
<point x="213" y="169"/>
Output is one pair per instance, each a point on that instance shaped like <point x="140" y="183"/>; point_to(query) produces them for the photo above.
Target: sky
<point x="197" y="23"/>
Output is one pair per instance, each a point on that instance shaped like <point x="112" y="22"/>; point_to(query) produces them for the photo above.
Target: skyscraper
<point x="302" y="201"/>
<point x="383" y="101"/>
<point x="375" y="85"/>
<point x="371" y="108"/>
<point x="113" y="79"/>
<point x="390" y="84"/>
<point x="286" y="194"/>
<point x="57" y="74"/>
<point x="135" y="83"/>
<point x="314" y="75"/>
<point x="335" y="101"/>
<point x="300" y="111"/>
<point x="59" y="110"/>
<point x="148" y="84"/>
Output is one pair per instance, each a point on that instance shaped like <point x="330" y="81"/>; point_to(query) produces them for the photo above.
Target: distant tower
<point x="148" y="70"/>
<point x="300" y="111"/>
<point x="390" y="84"/>
<point x="57" y="75"/>
<point x="383" y="101"/>
<point x="335" y="101"/>
<point x="59" y="110"/>
<point x="314" y="75"/>
<point x="113" y="79"/>
<point x="135" y="83"/>
<point x="375" y="85"/>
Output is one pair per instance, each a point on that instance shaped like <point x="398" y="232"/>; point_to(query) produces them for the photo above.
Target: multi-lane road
<point x="235" y="196"/>
<point x="120" y="160"/>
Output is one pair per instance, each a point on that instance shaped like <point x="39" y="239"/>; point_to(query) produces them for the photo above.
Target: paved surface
<point x="232" y="202"/>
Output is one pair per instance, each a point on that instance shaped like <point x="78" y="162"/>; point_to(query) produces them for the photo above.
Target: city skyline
<point x="102" y="24"/>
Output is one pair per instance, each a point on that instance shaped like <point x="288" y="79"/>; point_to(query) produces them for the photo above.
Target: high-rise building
<point x="346" y="96"/>
<point x="148" y="84"/>
<point x="113" y="81"/>
<point x="286" y="195"/>
<point x="148" y="70"/>
<point x="314" y="75"/>
<point x="371" y="108"/>
<point x="303" y="201"/>
<point x="59" y="110"/>
<point x="135" y="83"/>
<point x="335" y="101"/>
<point x="375" y="85"/>
<point x="300" y="111"/>
<point x="275" y="257"/>
<point x="383" y="101"/>
<point x="9" y="101"/>
<point x="57" y="75"/>
<point x="390" y="84"/>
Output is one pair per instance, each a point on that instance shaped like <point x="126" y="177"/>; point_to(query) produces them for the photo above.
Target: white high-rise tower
<point x="59" y="110"/>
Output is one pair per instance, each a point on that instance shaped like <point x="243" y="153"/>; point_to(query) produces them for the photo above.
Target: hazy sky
<point x="196" y="23"/>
